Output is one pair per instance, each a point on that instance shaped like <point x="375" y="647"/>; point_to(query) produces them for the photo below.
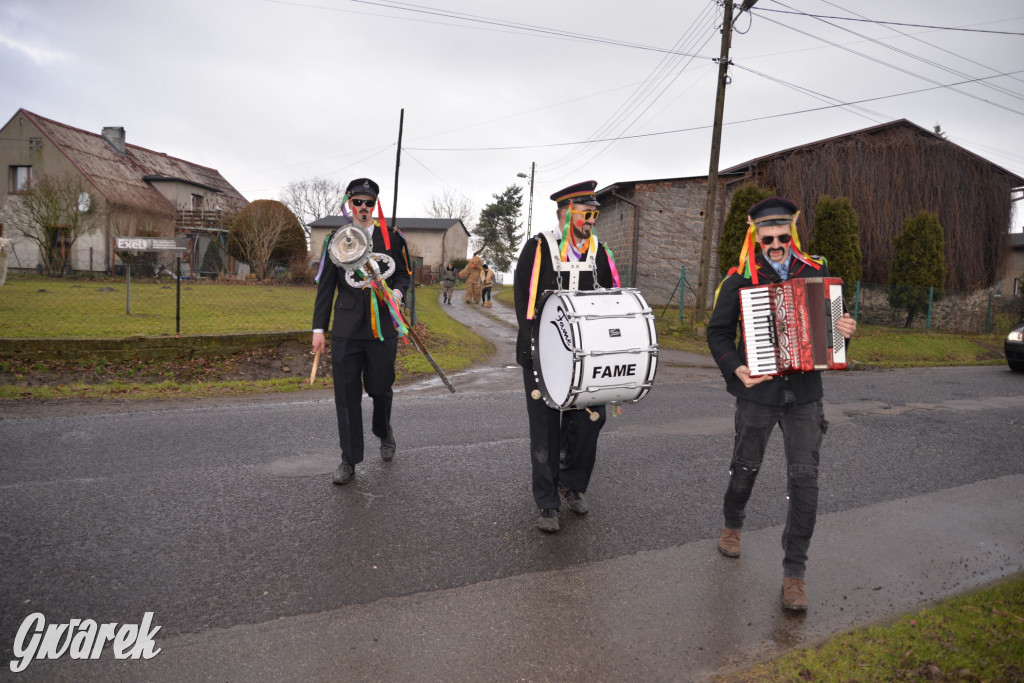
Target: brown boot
<point x="729" y="542"/>
<point x="793" y="596"/>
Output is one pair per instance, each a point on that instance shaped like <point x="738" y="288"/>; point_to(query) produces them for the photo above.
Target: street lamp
<point x="529" y="220"/>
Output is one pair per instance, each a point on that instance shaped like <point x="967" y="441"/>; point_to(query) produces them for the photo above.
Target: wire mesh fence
<point x="918" y="308"/>
<point x="41" y="307"/>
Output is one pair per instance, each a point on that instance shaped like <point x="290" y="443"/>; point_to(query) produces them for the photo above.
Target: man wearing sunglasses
<point x="567" y="258"/>
<point x="794" y="401"/>
<point x="364" y="341"/>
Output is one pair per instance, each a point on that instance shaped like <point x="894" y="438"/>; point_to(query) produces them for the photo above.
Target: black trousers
<point x="358" y="363"/>
<point x="546" y="430"/>
<point x="803" y="429"/>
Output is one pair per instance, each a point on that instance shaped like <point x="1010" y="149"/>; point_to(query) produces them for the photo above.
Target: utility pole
<point x="529" y="220"/>
<point x="716" y="144"/>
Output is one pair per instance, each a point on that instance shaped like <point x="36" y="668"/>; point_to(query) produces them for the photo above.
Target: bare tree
<point x="263" y="231"/>
<point x="451" y="204"/>
<point x="52" y="215"/>
<point x="312" y="199"/>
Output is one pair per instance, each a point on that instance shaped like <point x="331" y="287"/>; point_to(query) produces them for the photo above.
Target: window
<point x="21" y="178"/>
<point x="197" y="202"/>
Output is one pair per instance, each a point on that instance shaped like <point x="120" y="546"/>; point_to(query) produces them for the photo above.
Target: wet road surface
<point x="220" y="518"/>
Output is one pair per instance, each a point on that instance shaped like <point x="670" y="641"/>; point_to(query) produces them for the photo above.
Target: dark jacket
<point x="721" y="337"/>
<point x="547" y="280"/>
<point x="352" y="305"/>
<point x="449" y="276"/>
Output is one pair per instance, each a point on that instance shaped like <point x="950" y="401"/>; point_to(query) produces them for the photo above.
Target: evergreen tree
<point x="497" y="235"/>
<point x="837" y="238"/>
<point x="735" y="227"/>
<point x="918" y="263"/>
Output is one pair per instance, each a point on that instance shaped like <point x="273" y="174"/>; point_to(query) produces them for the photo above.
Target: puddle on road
<point x="312" y="465"/>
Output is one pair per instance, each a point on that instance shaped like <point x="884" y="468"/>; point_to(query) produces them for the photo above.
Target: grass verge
<point x="884" y="347"/>
<point x="978" y="636"/>
<point x="453" y="347"/>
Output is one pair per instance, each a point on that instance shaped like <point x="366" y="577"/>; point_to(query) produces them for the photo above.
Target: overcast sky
<point x="273" y="91"/>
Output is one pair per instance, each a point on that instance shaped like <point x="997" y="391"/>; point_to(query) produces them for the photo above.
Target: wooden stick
<point x="316" y="362"/>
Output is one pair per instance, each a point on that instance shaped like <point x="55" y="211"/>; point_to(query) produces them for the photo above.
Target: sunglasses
<point x="587" y="215"/>
<point x="362" y="202"/>
<point x="783" y="239"/>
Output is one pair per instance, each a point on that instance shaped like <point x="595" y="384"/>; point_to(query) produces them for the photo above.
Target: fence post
<point x="856" y="302"/>
<point x="928" y="322"/>
<point x="177" y="298"/>
<point x="127" y="289"/>
<point x="682" y="291"/>
<point x="988" y="318"/>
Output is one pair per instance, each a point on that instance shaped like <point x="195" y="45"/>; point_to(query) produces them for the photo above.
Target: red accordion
<point x="791" y="326"/>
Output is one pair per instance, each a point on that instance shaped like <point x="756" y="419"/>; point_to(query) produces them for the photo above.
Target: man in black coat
<point x="792" y="401"/>
<point x="579" y="204"/>
<point x="364" y="339"/>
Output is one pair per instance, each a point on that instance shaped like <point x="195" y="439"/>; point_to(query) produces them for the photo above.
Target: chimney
<point x="114" y="135"/>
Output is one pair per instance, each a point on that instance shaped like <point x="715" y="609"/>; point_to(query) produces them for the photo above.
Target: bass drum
<point x="594" y="347"/>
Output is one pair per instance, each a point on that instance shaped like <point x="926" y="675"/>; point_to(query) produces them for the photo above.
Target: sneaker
<point x="729" y="542"/>
<point x="344" y="473"/>
<point x="574" y="500"/>
<point x="793" y="596"/>
<point x="548" y="521"/>
<point x="387" y="446"/>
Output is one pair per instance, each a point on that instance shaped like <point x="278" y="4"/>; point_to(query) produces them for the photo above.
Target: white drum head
<point x="556" y="339"/>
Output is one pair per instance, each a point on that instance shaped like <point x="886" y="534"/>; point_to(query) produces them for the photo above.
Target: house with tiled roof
<point x="434" y="240"/>
<point x="131" y="191"/>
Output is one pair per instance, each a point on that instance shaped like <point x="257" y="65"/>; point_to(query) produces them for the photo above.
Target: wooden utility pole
<point x="700" y="313"/>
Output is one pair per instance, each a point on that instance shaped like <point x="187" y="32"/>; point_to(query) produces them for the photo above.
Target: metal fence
<point x="977" y="312"/>
<point x="42" y="307"/>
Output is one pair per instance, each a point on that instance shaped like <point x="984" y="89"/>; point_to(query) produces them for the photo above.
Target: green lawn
<point x="974" y="637"/>
<point x="32" y="306"/>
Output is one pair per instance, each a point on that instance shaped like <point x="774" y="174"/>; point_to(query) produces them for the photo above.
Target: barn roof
<point x="899" y="123"/>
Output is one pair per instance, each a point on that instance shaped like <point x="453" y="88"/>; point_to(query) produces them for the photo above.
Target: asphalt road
<point x="220" y="518"/>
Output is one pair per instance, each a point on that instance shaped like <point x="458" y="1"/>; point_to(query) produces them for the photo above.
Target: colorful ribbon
<point x="611" y="264"/>
<point x="534" y="280"/>
<point x="383" y="227"/>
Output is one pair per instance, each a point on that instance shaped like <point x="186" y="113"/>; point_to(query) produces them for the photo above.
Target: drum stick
<point x="535" y="394"/>
<point x="594" y="417"/>
<point x="316" y="362"/>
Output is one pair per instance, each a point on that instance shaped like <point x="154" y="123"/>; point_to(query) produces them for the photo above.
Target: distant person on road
<point x="487" y="279"/>
<point x="364" y="338"/>
<point x="792" y="401"/>
<point x="448" y="278"/>
<point x="573" y="247"/>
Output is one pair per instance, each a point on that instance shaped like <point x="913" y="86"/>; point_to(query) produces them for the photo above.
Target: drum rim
<point x="538" y="373"/>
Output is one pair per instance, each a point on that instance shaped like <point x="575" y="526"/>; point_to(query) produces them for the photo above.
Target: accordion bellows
<point x="791" y="326"/>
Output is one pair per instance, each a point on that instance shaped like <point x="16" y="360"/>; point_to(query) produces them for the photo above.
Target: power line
<point x="694" y="128"/>
<point x="893" y="66"/>
<point x="937" y="47"/>
<point x="894" y="23"/>
<point x="911" y="55"/>
<point x="474" y="19"/>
